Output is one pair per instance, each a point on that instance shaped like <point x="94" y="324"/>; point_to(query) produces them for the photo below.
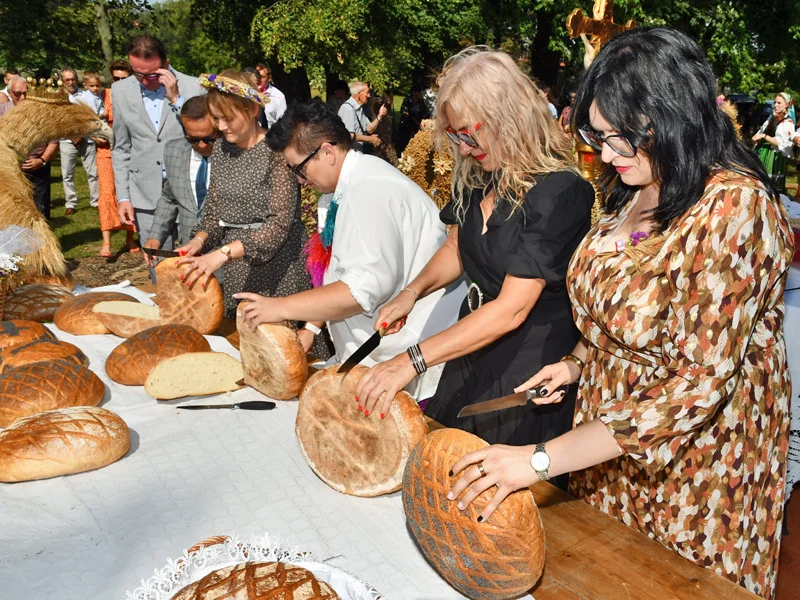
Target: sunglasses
<point x="196" y="140"/>
<point x="116" y="78"/>
<point x="465" y="135"/>
<point x="616" y="141"/>
<point x="146" y="76"/>
<point x="298" y="169"/>
<point x="18" y="94"/>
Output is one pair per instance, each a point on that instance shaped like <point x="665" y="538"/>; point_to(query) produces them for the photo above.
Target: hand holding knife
<point x="518" y="399"/>
<point x="367" y="347"/>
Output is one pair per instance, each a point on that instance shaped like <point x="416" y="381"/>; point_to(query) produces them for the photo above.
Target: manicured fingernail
<point x="384" y="324"/>
<point x="544" y="392"/>
<point x="450" y="494"/>
<point x="181" y="252"/>
<point x="383" y="415"/>
<point x="356" y="398"/>
<point x="450" y="472"/>
<point x="366" y="413"/>
<point x="480" y="519"/>
<point x="181" y="277"/>
<point x="460" y="506"/>
<point x="360" y="408"/>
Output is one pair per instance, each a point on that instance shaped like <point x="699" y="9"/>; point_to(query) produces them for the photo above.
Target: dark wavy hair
<point x="654" y="86"/>
<point x="305" y="126"/>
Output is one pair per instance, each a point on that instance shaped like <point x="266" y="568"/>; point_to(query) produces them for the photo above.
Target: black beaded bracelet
<point x="417" y="360"/>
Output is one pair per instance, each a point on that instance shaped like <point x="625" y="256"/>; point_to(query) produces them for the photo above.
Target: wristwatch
<point x="226" y="250"/>
<point x="540" y="462"/>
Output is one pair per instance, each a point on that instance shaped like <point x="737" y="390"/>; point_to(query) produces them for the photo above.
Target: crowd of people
<point x="655" y="333"/>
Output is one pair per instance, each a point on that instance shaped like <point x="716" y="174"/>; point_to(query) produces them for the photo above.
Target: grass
<point x="79" y="233"/>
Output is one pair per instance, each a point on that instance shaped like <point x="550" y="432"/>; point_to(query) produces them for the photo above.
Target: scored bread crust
<point x="39" y="387"/>
<point x="354" y="454"/>
<point x="41" y="351"/>
<point x="194" y="374"/>
<point x="75" y="316"/>
<point x="37" y="302"/>
<point x="131" y="361"/>
<point x="273" y="359"/>
<point x="128" y="322"/>
<point x="19" y="332"/>
<point x="200" y="308"/>
<point x="62" y="442"/>
<point x="509" y="545"/>
<point x="258" y="581"/>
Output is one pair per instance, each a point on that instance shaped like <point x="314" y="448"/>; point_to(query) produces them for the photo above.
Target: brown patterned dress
<point x="687" y="369"/>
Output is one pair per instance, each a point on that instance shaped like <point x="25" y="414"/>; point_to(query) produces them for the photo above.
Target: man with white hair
<point x="357" y="123"/>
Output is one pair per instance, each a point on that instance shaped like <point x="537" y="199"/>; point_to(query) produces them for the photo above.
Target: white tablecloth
<point x="791" y="329"/>
<point x="190" y="475"/>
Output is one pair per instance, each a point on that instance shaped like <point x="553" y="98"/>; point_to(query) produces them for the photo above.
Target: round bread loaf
<point x="273" y="359"/>
<point x="38" y="387"/>
<point x="354" y="454"/>
<point x="258" y="581"/>
<point x="131" y="361"/>
<point x="67" y="281"/>
<point x="19" y="333"/>
<point x="38" y="302"/>
<point x="76" y="317"/>
<point x="126" y="319"/>
<point x="197" y="307"/>
<point x="61" y="442"/>
<point x="500" y="558"/>
<point x="41" y="351"/>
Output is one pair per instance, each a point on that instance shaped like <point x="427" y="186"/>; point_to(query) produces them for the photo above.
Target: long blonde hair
<point x="486" y="86"/>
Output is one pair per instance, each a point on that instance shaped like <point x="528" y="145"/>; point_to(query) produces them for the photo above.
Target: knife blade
<point x="159" y="252"/>
<point x="250" y="405"/>
<point x="518" y="399"/>
<point x="362" y="352"/>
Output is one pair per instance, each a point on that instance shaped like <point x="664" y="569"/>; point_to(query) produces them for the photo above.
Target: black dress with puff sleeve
<point x="536" y="242"/>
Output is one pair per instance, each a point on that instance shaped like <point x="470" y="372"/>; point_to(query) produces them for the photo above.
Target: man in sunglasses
<point x="188" y="165"/>
<point x="146" y="116"/>
<point x="5" y="96"/>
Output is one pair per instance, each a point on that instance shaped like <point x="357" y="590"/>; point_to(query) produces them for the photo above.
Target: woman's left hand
<point x="260" y="309"/>
<point x="202" y="268"/>
<point x="378" y="387"/>
<point x="507" y="467"/>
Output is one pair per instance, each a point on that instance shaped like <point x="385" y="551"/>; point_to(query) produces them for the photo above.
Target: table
<point x="190" y="475"/>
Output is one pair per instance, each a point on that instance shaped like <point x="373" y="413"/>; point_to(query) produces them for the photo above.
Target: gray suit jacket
<point x="177" y="201"/>
<point x="138" y="148"/>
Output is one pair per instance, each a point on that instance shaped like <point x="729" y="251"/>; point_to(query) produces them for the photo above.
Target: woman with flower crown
<point x="251" y="225"/>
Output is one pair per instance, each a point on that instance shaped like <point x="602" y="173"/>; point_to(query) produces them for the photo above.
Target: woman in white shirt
<point x="380" y="231"/>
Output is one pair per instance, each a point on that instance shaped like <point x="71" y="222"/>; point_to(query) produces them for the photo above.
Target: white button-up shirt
<point x="387" y="229"/>
<point x="194" y="167"/>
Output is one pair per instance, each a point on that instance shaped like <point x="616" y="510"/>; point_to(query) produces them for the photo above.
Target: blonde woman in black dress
<point x="251" y="225"/>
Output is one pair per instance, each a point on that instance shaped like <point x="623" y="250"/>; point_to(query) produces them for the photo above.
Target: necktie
<point x="200" y="183"/>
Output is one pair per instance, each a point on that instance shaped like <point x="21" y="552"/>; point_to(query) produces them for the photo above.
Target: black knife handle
<point x="538" y="392"/>
<point x="256" y="405"/>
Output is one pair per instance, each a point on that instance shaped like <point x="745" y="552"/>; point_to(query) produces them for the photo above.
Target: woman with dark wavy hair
<point x="681" y="421"/>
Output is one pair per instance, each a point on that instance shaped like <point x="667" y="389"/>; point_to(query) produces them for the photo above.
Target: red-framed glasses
<point x="465" y="135"/>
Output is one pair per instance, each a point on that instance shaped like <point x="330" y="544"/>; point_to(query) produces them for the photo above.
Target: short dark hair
<point x="655" y="87"/>
<point x="121" y="65"/>
<point x="194" y="108"/>
<point x="146" y="47"/>
<point x="263" y="66"/>
<point x="305" y="126"/>
<point x="11" y="71"/>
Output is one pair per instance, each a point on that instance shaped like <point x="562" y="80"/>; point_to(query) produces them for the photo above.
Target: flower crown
<point x="231" y="86"/>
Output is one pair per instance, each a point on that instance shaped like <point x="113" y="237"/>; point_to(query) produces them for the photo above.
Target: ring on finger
<point x="481" y="470"/>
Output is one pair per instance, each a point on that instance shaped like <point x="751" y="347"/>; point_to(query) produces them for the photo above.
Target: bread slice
<point x="126" y="319"/>
<point x="194" y="374"/>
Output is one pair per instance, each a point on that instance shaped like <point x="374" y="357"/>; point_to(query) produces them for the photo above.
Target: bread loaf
<point x="354" y="454"/>
<point x="37" y="302"/>
<point x="194" y="374"/>
<point x="502" y="557"/>
<point x="131" y="361"/>
<point x="61" y="442"/>
<point x="273" y="359"/>
<point x="258" y="581"/>
<point x="76" y="317"/>
<point x="19" y="333"/>
<point x="126" y="319"/>
<point x="197" y="307"/>
<point x="67" y="281"/>
<point x="38" y="387"/>
<point x="41" y="351"/>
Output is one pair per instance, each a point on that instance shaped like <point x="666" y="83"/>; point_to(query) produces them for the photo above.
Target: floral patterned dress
<point x="687" y="369"/>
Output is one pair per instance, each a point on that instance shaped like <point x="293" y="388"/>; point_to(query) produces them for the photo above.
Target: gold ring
<point x="481" y="469"/>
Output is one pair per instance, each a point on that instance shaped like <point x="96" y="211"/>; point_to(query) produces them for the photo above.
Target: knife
<point x="159" y="252"/>
<point x="362" y="352"/>
<point x="250" y="405"/>
<point x="518" y="399"/>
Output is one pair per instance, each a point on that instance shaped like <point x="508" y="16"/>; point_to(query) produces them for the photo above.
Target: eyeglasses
<point x="298" y="169"/>
<point x="617" y="142"/>
<point x="18" y="94"/>
<point x="146" y="76"/>
<point x="465" y="135"/>
<point x="117" y="78"/>
<point x="196" y="140"/>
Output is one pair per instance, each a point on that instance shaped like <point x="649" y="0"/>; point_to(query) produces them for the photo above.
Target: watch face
<point x="540" y="461"/>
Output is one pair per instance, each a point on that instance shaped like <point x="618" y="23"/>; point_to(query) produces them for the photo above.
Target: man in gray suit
<point x="188" y="176"/>
<point x="146" y="117"/>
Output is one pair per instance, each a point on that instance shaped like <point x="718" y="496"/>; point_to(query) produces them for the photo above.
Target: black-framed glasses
<point x="18" y="94"/>
<point x="616" y="141"/>
<point x="118" y="78"/>
<point x="465" y="135"/>
<point x="196" y="140"/>
<point x="298" y="169"/>
<point x="146" y="76"/>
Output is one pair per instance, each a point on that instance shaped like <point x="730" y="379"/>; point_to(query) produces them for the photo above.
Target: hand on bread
<point x="507" y="467"/>
<point x="259" y="309"/>
<point x="201" y="268"/>
<point x="378" y="387"/>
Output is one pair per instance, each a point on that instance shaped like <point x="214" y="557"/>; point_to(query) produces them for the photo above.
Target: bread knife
<point x="249" y="405"/>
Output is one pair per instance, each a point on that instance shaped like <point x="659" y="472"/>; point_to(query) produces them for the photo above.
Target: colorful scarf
<point x="318" y="247"/>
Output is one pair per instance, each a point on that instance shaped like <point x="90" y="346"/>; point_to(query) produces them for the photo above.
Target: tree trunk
<point x="544" y="62"/>
<point x="104" y="30"/>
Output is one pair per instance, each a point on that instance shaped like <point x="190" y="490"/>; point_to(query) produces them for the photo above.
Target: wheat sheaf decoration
<point x="427" y="167"/>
